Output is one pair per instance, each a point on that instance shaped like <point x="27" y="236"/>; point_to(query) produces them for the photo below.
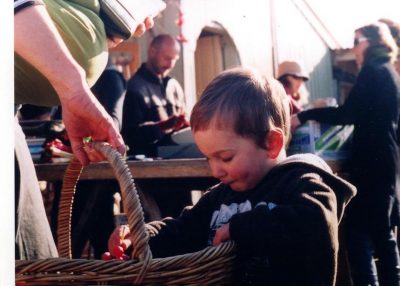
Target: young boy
<point x="283" y="213"/>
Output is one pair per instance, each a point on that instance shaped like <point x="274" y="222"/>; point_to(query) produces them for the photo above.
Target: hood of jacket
<point x="310" y="163"/>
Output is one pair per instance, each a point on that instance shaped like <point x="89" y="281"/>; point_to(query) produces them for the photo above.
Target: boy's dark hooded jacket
<point x="286" y="228"/>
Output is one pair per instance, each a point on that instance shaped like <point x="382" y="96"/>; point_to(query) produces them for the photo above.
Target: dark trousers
<point x="373" y="237"/>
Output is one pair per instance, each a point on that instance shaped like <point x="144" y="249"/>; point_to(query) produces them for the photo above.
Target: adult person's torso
<point x="162" y="98"/>
<point x="82" y="30"/>
<point x="374" y="141"/>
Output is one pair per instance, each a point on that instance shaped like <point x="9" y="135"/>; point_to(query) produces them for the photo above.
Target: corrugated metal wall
<point x="296" y="39"/>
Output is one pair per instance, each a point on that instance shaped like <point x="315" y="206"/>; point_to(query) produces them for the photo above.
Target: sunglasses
<point x="298" y="77"/>
<point x="357" y="41"/>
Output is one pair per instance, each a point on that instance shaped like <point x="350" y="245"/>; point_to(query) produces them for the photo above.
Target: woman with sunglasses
<point x="373" y="108"/>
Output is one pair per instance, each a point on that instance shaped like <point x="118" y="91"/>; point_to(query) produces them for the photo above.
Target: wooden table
<point x="189" y="174"/>
<point x="157" y="169"/>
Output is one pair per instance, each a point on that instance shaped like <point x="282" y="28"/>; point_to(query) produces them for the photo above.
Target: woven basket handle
<point x="130" y="200"/>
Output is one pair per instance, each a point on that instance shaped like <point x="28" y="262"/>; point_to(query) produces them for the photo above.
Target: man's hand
<point x="222" y="234"/>
<point x="181" y="122"/>
<point x="174" y="123"/>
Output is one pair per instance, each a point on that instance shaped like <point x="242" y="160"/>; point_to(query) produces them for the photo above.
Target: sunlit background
<point x="342" y="17"/>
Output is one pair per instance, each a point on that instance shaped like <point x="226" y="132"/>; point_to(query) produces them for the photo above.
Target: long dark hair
<point x="380" y="41"/>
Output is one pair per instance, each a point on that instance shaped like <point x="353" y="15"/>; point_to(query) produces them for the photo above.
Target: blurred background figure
<point x="373" y="108"/>
<point x="110" y="90"/>
<point x="154" y="108"/>
<point x="154" y="105"/>
<point x="292" y="75"/>
<point x="395" y="31"/>
<point x="34" y="112"/>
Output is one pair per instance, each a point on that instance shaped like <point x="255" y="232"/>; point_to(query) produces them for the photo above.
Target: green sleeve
<point x="82" y="30"/>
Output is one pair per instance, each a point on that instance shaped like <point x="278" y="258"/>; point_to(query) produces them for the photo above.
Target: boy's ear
<point x="274" y="143"/>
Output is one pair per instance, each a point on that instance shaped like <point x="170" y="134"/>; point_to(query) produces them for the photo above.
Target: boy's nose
<point x="217" y="171"/>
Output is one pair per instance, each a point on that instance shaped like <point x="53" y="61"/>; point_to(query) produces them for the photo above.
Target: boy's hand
<point x="119" y="239"/>
<point x="222" y="234"/>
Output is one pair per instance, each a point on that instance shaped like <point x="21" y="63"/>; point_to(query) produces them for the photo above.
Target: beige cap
<point x="292" y="68"/>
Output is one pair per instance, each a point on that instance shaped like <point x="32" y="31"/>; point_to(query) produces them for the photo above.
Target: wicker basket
<point x="210" y="266"/>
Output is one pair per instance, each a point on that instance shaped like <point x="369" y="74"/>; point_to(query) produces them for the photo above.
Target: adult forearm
<point x="46" y="50"/>
<point x="329" y="115"/>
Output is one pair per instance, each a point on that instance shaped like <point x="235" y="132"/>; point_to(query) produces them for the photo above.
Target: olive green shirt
<point x="82" y="30"/>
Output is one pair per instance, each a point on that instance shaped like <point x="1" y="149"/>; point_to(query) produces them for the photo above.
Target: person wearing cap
<point x="292" y="75"/>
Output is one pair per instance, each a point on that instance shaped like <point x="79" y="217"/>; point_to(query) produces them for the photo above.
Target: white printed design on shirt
<point x="225" y="213"/>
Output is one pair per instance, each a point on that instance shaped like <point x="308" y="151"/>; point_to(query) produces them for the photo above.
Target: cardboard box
<point x="327" y="141"/>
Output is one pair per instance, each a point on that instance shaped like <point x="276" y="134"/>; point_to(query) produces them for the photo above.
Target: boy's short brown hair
<point x="243" y="100"/>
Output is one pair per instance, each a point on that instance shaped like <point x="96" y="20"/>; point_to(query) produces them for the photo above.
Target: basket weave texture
<point x="210" y="266"/>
